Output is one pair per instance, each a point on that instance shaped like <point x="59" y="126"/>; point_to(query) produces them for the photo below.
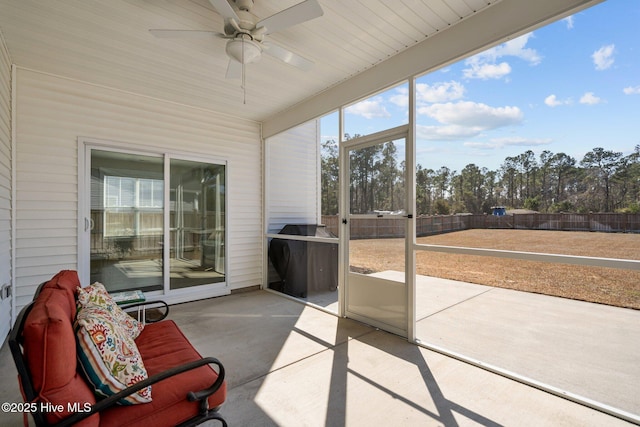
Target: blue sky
<point x="568" y="87"/>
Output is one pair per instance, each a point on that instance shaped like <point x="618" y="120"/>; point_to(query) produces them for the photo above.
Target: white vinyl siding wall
<point x="53" y="112"/>
<point x="293" y="165"/>
<point x="5" y="185"/>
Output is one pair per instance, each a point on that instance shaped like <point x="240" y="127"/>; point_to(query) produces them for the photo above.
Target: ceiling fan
<point x="247" y="35"/>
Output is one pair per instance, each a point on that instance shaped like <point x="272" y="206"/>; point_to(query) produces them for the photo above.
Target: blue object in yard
<point x="499" y="211"/>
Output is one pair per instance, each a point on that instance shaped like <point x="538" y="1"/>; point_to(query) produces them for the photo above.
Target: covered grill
<point x="304" y="267"/>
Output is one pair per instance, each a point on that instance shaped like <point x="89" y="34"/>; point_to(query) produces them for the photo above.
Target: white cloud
<point x="553" y="101"/>
<point x="487" y="71"/>
<point x="569" y="21"/>
<point x="603" y="57"/>
<point x="590" y="99"/>
<point x="426" y="93"/>
<point x="484" y="65"/>
<point x="467" y="113"/>
<point x="496" y="143"/>
<point x="369" y="109"/>
<point x="515" y="47"/>
<point x="439" y="92"/>
<point x="631" y="90"/>
<point x="521" y="141"/>
<point x="448" y="132"/>
<point x="482" y="145"/>
<point x="401" y="98"/>
<point x="466" y="119"/>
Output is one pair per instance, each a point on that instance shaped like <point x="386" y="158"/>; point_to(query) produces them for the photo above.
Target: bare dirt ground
<point x="617" y="287"/>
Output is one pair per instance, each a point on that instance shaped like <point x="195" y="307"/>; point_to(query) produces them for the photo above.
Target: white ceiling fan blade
<point x="186" y="34"/>
<point x="224" y="9"/>
<point x="234" y="70"/>
<point x="294" y="15"/>
<point x="288" y="56"/>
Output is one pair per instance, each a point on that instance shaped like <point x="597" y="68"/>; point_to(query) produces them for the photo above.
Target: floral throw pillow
<point x="98" y="295"/>
<point x="107" y="353"/>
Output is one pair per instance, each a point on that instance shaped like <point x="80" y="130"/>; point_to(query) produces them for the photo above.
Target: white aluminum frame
<point x="399" y="132"/>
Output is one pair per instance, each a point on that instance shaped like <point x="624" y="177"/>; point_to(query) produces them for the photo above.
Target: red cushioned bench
<point x="186" y="390"/>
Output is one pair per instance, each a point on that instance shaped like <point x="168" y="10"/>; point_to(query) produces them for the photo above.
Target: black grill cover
<point x="304" y="266"/>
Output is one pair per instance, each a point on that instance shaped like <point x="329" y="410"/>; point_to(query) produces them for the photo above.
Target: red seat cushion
<point x="163" y="346"/>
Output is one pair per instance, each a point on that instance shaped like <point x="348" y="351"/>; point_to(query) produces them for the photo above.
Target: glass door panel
<point x="197" y="219"/>
<point x="376" y="285"/>
<point x="127" y="199"/>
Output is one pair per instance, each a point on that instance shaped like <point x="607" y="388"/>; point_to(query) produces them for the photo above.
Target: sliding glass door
<point x="126" y="221"/>
<point x="154" y="222"/>
<point x="196" y="223"/>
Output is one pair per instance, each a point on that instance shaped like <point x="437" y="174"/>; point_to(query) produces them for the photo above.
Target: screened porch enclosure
<point x="537" y="335"/>
<point x="415" y="274"/>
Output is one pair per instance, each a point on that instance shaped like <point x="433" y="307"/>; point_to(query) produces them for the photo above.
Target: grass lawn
<point x="610" y="286"/>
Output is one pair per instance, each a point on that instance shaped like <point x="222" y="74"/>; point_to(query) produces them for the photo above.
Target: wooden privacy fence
<point x="374" y="228"/>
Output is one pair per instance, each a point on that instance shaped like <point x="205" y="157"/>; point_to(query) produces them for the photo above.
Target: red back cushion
<point x="50" y="351"/>
<point x="68" y="281"/>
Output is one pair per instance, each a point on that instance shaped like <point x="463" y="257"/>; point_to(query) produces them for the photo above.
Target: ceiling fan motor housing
<point x="245" y="24"/>
<point x="244" y="4"/>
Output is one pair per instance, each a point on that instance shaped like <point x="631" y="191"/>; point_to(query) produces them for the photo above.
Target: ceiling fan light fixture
<point x="244" y="51"/>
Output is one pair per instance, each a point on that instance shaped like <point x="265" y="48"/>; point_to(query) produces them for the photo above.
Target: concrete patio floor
<point x="292" y="365"/>
<point x="591" y="350"/>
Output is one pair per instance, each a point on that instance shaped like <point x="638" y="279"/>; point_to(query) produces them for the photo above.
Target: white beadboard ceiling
<point x="107" y="42"/>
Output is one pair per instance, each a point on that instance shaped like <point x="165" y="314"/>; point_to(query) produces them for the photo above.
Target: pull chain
<point x="244" y="86"/>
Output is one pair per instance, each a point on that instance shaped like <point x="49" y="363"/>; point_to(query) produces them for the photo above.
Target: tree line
<point x="602" y="181"/>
